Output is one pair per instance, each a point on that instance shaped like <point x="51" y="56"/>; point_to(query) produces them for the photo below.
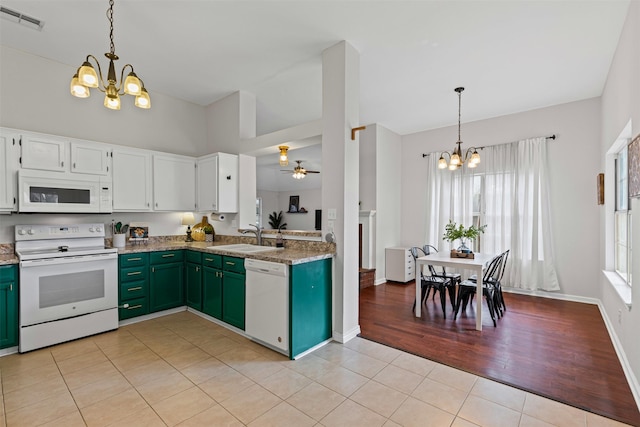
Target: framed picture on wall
<point x="634" y="167"/>
<point x="294" y="203"/>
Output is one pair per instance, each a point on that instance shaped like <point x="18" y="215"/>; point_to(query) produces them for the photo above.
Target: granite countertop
<point x="8" y="259"/>
<point x="288" y="256"/>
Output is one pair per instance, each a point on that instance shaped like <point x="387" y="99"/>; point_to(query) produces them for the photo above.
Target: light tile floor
<point x="183" y="370"/>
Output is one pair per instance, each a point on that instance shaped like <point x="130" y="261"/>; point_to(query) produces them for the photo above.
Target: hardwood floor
<point x="557" y="349"/>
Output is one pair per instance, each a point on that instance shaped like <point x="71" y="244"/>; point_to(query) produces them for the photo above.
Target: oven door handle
<point x="67" y="260"/>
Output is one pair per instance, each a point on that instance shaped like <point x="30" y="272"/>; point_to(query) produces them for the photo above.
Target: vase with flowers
<point x="455" y="232"/>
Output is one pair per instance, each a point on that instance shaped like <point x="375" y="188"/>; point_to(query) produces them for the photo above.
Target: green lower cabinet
<point x="212" y="292"/>
<point x="310" y="303"/>
<point x="193" y="276"/>
<point x="233" y="298"/>
<point x="8" y="306"/>
<point x="133" y="292"/>
<point x="166" y="286"/>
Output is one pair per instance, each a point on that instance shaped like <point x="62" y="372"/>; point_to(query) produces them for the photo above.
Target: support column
<point x="340" y="180"/>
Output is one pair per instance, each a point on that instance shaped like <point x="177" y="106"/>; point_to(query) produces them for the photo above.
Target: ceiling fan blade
<point x="313" y="171"/>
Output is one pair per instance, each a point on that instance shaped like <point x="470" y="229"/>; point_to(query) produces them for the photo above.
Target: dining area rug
<point x="553" y="348"/>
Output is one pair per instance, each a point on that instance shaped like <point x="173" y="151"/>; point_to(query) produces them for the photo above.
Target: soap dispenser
<point x="279" y="239"/>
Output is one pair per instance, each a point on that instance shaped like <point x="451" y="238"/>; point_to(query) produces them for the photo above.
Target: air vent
<point x="20" y="18"/>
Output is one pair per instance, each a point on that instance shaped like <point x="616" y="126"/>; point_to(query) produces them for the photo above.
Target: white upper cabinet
<point x="174" y="183"/>
<point x="52" y="153"/>
<point x="9" y="154"/>
<point x="217" y="183"/>
<point x="44" y="152"/>
<point x="131" y="180"/>
<point x="90" y="158"/>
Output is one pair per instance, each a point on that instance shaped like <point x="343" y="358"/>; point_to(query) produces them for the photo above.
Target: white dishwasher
<point x="267" y="303"/>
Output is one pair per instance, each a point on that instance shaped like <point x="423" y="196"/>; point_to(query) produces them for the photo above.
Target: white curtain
<point x="515" y="207"/>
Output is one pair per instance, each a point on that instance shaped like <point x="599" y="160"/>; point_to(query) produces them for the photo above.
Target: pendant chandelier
<point x="86" y="78"/>
<point x="456" y="159"/>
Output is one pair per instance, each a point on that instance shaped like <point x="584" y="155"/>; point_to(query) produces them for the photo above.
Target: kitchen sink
<point x="244" y="248"/>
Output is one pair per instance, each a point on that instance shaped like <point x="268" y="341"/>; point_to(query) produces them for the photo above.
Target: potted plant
<point x="454" y="232"/>
<point x="276" y="221"/>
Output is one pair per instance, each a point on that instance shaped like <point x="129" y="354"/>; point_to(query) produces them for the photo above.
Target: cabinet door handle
<point x="62" y="164"/>
<point x="137" y="288"/>
<point x="197" y="268"/>
<point x="168" y="255"/>
<point x="134" y="259"/>
<point x="147" y="204"/>
<point x="156" y="205"/>
<point x="153" y="269"/>
<point x="133" y="307"/>
<point x="11" y="287"/>
<point x="74" y="165"/>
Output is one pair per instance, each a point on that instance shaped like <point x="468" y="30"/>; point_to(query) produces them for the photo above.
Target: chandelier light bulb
<point x="284" y="159"/>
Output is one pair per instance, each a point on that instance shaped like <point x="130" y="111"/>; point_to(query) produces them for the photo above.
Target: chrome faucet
<point x="257" y="232"/>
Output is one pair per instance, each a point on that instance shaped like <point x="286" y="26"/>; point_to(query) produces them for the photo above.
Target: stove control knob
<point x="31" y="231"/>
<point x="22" y="232"/>
<point x="99" y="229"/>
<point x="91" y="229"/>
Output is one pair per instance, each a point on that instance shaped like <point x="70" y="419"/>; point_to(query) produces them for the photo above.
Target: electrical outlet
<point x="330" y="225"/>
<point x="332" y="214"/>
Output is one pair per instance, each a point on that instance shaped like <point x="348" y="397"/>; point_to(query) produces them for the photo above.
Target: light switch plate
<point x="332" y="214"/>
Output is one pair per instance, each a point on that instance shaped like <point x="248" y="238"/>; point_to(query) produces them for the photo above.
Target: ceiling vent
<point x="27" y="21"/>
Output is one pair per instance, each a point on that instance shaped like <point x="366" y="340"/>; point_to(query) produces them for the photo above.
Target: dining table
<point x="477" y="265"/>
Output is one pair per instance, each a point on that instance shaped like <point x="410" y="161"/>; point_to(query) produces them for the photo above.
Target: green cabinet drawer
<point x="134" y="274"/>
<point x="194" y="257"/>
<point x="134" y="308"/>
<point x="8" y="273"/>
<point x="233" y="264"/>
<point x="133" y="289"/>
<point x="167" y="256"/>
<point x="134" y="260"/>
<point x="212" y="260"/>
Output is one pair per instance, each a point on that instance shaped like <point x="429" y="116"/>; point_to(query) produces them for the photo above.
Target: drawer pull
<point x="134" y="259"/>
<point x="134" y="273"/>
<point x="168" y="255"/>
<point x="133" y="307"/>
<point x="230" y="263"/>
<point x="208" y="259"/>
<point x="137" y="288"/>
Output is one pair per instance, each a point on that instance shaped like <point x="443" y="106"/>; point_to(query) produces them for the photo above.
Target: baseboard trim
<point x="634" y="385"/>
<point x="346" y="337"/>
<point x="151" y="316"/>
<point x="552" y="295"/>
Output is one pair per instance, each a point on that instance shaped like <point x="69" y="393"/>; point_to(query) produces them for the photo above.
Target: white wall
<point x="34" y="95"/>
<point x="621" y="103"/>
<point x="380" y="183"/>
<point x="309" y="199"/>
<point x="574" y="160"/>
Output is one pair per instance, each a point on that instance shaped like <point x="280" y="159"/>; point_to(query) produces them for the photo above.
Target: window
<point x="478" y="207"/>
<point x="622" y="233"/>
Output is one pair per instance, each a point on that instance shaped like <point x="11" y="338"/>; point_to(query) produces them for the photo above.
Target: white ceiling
<point x="510" y="56"/>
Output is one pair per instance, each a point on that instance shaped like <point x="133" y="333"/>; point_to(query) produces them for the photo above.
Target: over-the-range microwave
<point x="44" y="191"/>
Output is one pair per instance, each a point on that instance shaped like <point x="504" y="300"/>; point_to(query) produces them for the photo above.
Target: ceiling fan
<point x="299" y="172"/>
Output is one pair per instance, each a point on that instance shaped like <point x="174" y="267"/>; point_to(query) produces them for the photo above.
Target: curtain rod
<point x="482" y="148"/>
